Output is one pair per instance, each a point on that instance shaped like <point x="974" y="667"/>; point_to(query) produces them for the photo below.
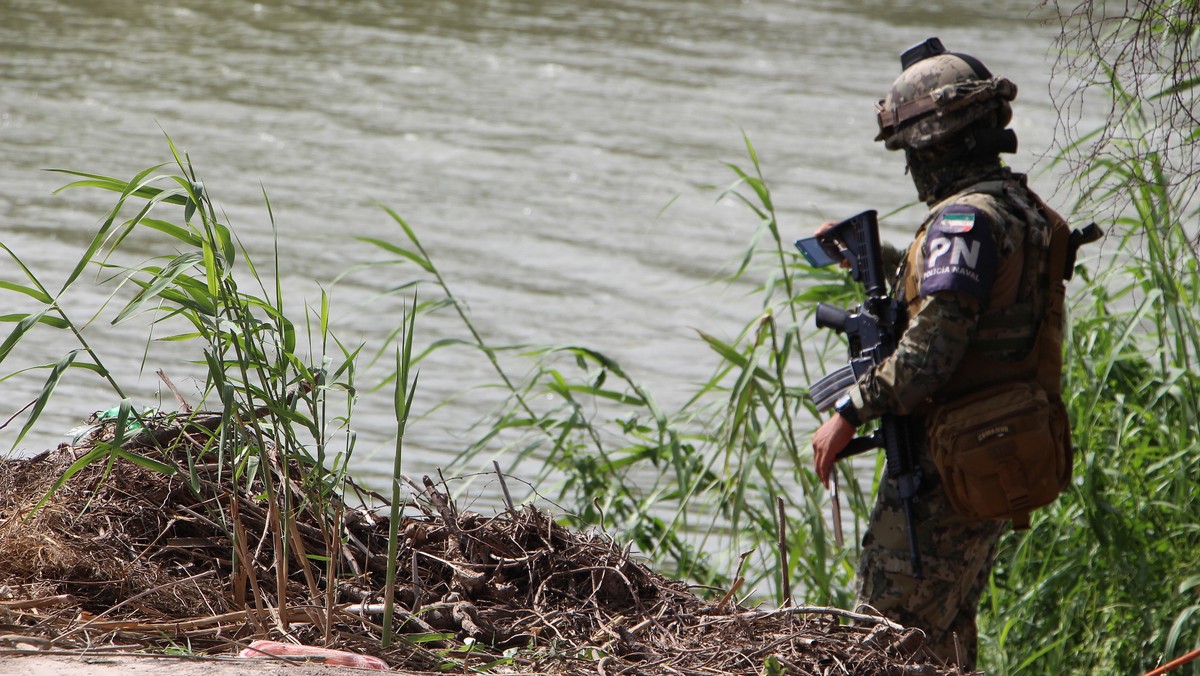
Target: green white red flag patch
<point x="957" y="223"/>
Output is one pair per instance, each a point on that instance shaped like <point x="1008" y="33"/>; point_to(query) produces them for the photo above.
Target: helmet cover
<point x="937" y="97"/>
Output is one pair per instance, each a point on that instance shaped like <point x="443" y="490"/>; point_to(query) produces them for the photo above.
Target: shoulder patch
<point x="960" y="254"/>
<point x="956" y="223"/>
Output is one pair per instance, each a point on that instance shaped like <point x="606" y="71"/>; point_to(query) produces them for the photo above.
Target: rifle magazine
<point x="826" y="391"/>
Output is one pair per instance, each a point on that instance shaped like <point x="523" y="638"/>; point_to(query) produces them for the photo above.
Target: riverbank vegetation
<point x="717" y="491"/>
<point x="234" y="516"/>
<point x="157" y="544"/>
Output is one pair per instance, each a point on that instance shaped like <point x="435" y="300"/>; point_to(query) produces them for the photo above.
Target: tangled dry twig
<point x="125" y="555"/>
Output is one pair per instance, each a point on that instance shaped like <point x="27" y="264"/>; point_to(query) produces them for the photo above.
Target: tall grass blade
<point x="56" y="373"/>
<point x="402" y="404"/>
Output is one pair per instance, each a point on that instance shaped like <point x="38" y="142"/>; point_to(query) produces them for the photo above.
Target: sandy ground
<point x="98" y="664"/>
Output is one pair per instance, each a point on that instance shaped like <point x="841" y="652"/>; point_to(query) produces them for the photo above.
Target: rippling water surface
<point x="553" y="156"/>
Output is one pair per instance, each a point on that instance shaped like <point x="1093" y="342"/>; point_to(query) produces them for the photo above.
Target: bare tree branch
<point x="1139" y="61"/>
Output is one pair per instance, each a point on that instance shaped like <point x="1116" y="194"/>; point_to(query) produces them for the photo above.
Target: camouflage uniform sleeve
<point x="892" y="255"/>
<point x="956" y="264"/>
<point x="929" y="352"/>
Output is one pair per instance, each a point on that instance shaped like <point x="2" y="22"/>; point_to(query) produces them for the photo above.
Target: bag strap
<point x="1050" y="333"/>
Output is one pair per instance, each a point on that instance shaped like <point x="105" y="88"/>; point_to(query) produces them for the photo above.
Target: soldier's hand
<point x="829" y="440"/>
<point x="824" y="228"/>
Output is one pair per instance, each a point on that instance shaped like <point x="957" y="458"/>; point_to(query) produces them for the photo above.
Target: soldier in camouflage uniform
<point x="971" y="281"/>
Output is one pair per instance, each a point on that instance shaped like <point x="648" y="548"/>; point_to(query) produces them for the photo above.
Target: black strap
<point x="976" y="65"/>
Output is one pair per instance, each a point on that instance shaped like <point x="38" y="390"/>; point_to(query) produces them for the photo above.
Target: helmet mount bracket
<point x="930" y="47"/>
<point x="921" y="51"/>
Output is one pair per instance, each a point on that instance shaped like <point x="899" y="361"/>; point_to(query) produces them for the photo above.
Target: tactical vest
<point x="997" y="431"/>
<point x="1020" y="331"/>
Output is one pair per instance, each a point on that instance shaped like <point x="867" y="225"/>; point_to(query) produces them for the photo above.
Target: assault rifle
<point x="873" y="330"/>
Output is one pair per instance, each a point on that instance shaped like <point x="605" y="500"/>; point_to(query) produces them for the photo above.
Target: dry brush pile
<point x="126" y="556"/>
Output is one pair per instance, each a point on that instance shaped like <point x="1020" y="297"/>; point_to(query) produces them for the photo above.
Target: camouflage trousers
<point x="956" y="557"/>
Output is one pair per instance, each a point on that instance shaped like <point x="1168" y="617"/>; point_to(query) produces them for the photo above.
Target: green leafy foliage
<point x="720" y="490"/>
<point x="273" y="401"/>
<point x="700" y="490"/>
<point x="1103" y="582"/>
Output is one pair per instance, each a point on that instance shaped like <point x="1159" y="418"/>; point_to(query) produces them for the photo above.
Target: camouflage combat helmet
<point x="938" y="95"/>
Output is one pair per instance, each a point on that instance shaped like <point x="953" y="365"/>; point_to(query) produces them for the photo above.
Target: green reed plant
<point x="714" y="462"/>
<point x="718" y="491"/>
<point x="1105" y="581"/>
<point x="272" y="402"/>
<point x="402" y="404"/>
<point x="699" y="490"/>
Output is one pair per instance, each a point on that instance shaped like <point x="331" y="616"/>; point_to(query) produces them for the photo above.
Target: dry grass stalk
<point x="124" y="554"/>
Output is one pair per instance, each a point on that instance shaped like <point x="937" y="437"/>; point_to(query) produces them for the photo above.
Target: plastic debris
<point x="267" y="649"/>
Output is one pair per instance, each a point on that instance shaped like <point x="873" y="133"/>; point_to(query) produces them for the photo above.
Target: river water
<point x="554" y="157"/>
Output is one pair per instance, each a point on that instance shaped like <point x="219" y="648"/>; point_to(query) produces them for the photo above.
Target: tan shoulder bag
<point x="1005" y="449"/>
<point x="1002" y="452"/>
